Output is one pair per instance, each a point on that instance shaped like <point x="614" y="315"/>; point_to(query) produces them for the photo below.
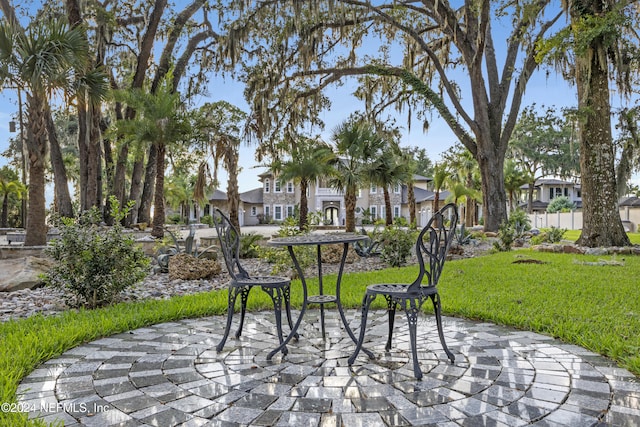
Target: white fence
<point x="573" y="220"/>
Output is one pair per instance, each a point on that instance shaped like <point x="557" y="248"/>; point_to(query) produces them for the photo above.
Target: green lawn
<point x="594" y="306"/>
<point x="574" y="234"/>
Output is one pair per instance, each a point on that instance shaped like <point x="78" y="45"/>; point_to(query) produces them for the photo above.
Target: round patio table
<point x="321" y="298"/>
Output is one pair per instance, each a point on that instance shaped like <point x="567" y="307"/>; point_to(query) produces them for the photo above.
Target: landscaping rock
<point x="188" y="267"/>
<point x="333" y="253"/>
<point x="23" y="273"/>
<point x="572" y="249"/>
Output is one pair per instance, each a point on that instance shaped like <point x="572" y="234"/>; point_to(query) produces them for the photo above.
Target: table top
<point x="316" y="239"/>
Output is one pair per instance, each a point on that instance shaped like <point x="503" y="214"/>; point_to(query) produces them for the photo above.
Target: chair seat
<point x="400" y="290"/>
<point x="264" y="281"/>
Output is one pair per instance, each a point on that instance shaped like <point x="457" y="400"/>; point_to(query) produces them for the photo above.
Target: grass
<point x="567" y="296"/>
<point x="573" y="235"/>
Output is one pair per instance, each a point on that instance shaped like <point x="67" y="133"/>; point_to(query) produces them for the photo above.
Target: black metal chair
<point x="241" y="282"/>
<point x="431" y="249"/>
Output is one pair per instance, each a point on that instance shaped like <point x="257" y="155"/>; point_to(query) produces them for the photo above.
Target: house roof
<point x="630" y="201"/>
<point x="423" y="195"/>
<point x="252" y="196"/>
<point x="217" y="195"/>
<point x="551" y="181"/>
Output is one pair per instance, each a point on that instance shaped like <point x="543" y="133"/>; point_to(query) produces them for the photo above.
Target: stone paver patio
<point x="170" y="375"/>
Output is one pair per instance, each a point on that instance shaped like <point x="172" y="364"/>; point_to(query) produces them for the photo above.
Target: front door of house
<point x="331" y="216"/>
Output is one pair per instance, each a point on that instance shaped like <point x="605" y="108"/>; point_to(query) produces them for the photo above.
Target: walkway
<point x="170" y="375"/>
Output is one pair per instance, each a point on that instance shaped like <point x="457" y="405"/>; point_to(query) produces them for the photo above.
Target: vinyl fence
<point x="573" y="220"/>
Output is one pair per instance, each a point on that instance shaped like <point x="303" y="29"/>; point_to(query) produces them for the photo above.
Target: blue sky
<point x="544" y="89"/>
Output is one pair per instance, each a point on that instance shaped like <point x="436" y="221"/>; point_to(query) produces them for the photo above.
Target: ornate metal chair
<point x="241" y="282"/>
<point x="431" y="249"/>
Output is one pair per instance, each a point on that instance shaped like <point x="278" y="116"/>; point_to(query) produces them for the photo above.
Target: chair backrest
<point x="229" y="239"/>
<point x="433" y="244"/>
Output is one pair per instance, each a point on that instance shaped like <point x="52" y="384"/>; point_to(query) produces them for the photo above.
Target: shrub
<point x="174" y="219"/>
<point x="401" y="221"/>
<point x="553" y="235"/>
<point x="94" y="263"/>
<point x="207" y="219"/>
<point x="561" y="204"/>
<point x="280" y="258"/>
<point x="506" y="237"/>
<point x="396" y="245"/>
<point x="249" y="245"/>
<point x="520" y="222"/>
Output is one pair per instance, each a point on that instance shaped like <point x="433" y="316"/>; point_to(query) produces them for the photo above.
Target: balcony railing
<point x="321" y="191"/>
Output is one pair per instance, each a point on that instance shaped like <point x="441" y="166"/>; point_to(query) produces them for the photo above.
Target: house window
<point x="566" y="192"/>
<point x="267" y="185"/>
<point x="383" y="213"/>
<point x="396" y="211"/>
<point x="555" y="192"/>
<point x="373" y="189"/>
<point x="374" y="212"/>
<point x="277" y="212"/>
<point x="290" y="211"/>
<point x="207" y="209"/>
<point x="290" y="187"/>
<point x="277" y="187"/>
<point x="254" y="211"/>
<point x="396" y="189"/>
<point x="267" y="212"/>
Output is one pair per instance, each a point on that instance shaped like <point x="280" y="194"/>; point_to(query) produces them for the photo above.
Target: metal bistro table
<point x="318" y="240"/>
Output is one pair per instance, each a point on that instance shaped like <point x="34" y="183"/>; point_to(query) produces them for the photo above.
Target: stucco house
<point x="275" y="200"/>
<point x="547" y="189"/>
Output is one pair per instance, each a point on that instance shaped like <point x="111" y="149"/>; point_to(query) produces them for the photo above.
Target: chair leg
<point x="391" y="310"/>
<point x="437" y="310"/>
<point x="366" y="302"/>
<point x="244" y="296"/>
<point x="233" y="295"/>
<point x="276" y="297"/>
<point x="286" y="292"/>
<point x="412" y="318"/>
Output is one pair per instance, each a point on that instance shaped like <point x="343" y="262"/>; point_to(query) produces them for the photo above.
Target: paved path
<point x="170" y="375"/>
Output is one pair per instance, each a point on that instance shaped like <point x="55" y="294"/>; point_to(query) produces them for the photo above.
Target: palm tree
<point x="308" y="162"/>
<point x="514" y="178"/>
<point x="440" y="174"/>
<point x="38" y="61"/>
<point x="352" y="141"/>
<point x="387" y="170"/>
<point x="220" y="124"/>
<point x="7" y="188"/>
<point x="158" y="121"/>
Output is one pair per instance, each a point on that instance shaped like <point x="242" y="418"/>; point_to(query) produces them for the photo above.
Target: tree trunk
<point x="144" y="212"/>
<point x="469" y="207"/>
<point x="494" y="197"/>
<point x="530" y="196"/>
<point x="83" y="142"/>
<point x="304" y="204"/>
<point x="93" y="156"/>
<point x="136" y="189"/>
<point x="61" y="183"/>
<point x="350" y="205"/>
<point x="602" y="225"/>
<point x="37" y="148"/>
<point x="5" y="208"/>
<point x="388" y="215"/>
<point x="411" y="196"/>
<point x="233" y="197"/>
<point x="158" y="200"/>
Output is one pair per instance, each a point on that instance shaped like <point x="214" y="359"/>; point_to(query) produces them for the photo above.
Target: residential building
<point x="276" y="200"/>
<point x="545" y="190"/>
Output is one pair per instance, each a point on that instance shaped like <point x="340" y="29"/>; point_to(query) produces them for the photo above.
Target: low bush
<point x="396" y="245"/>
<point x="93" y="264"/>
